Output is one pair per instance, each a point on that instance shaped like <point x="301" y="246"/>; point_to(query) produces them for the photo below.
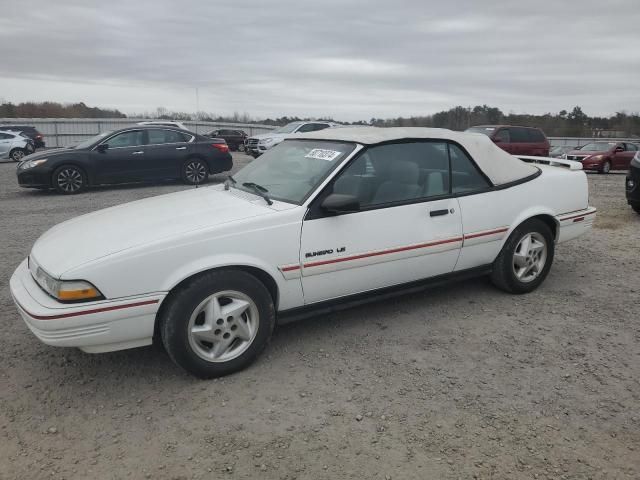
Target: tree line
<point x="562" y="124"/>
<point x="55" y="110"/>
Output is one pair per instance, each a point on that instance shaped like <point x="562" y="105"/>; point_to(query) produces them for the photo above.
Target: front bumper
<point x="36" y="177"/>
<point x="94" y="327"/>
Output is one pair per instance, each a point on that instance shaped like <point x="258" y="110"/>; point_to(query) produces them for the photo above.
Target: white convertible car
<point x="318" y="222"/>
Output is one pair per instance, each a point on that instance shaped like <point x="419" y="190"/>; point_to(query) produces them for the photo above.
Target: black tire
<point x="504" y="275"/>
<point x="606" y="167"/>
<point x="18" y="154"/>
<point x="69" y="180"/>
<point x="195" y="171"/>
<point x="175" y="326"/>
<point x="636" y="208"/>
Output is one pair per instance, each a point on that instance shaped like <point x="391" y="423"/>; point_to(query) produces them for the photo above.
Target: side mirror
<point x="103" y="147"/>
<point x="619" y="149"/>
<point x="338" y="203"/>
<point x="497" y="140"/>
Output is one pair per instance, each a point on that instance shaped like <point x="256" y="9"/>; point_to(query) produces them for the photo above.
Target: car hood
<point x="583" y="153"/>
<point x="90" y="237"/>
<point x="49" y="153"/>
<point x="279" y="136"/>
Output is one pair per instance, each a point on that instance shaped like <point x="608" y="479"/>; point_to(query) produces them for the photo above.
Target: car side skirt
<point x="349" y="301"/>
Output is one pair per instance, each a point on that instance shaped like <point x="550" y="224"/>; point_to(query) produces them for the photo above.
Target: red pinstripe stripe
<point x="383" y="252"/>
<point x="482" y="234"/>
<point x="577" y="216"/>
<point x="88" y="312"/>
<point x="288" y="269"/>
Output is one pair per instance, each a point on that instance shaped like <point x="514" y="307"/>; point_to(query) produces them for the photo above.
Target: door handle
<point x="139" y="152"/>
<point x="437" y="213"/>
<point x="181" y="148"/>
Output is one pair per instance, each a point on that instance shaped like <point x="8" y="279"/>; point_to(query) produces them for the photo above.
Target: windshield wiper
<point x="259" y="190"/>
<point x="229" y="181"/>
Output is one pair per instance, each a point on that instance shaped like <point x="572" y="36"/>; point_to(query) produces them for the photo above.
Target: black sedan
<point x="135" y="154"/>
<point x="234" y="138"/>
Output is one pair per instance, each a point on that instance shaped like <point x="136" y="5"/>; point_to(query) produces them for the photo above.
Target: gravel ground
<point x="456" y="382"/>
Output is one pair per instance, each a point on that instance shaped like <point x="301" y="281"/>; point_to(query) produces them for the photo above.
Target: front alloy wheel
<point x="223" y="326"/>
<point x="69" y="180"/>
<point x="217" y="322"/>
<point x="195" y="172"/>
<point x="606" y="168"/>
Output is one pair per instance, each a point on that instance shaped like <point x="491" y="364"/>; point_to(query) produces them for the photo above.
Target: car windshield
<point x="87" y="143"/>
<point x="288" y="128"/>
<point x="486" y="130"/>
<point x="292" y="170"/>
<point x="597" y="146"/>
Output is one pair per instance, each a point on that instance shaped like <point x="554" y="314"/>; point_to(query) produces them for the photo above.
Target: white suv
<point x="258" y="144"/>
<point x="15" y="145"/>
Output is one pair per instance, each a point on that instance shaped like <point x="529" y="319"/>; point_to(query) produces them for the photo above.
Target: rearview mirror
<point x="103" y="147"/>
<point x="338" y="203"/>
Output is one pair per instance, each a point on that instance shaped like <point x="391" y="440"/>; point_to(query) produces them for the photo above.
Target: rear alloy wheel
<point x="17" y="154"/>
<point x="525" y="259"/>
<point x="69" y="180"/>
<point x="241" y="147"/>
<point x="195" y="172"/>
<point x="606" y="168"/>
<point x="218" y="323"/>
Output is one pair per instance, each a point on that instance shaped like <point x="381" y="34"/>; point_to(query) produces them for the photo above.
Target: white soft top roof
<point x="500" y="166"/>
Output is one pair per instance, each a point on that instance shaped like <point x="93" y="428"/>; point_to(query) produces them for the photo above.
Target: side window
<point x="631" y="147"/>
<point x="503" y="135"/>
<point x="465" y="176"/>
<point x="519" y="135"/>
<point x="157" y="137"/>
<point x="399" y="172"/>
<point x="535" y="135"/>
<point x="4" y="136"/>
<point x="132" y="138"/>
<point x="321" y="126"/>
<point x="309" y="127"/>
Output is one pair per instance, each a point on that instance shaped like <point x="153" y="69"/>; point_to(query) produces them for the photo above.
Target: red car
<point x="516" y="140"/>
<point x="604" y="156"/>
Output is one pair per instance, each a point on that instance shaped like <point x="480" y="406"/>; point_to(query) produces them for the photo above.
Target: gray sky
<point x="346" y="59"/>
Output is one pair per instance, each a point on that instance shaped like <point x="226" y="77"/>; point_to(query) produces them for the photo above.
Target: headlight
<point x="64" y="290"/>
<point x="33" y="163"/>
<point x="266" y="141"/>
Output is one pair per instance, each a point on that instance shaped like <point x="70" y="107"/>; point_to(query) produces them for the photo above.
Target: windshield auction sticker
<point x="320" y="154"/>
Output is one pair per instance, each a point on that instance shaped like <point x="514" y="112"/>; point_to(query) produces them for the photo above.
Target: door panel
<point x="123" y="161"/>
<point x="347" y="254"/>
<point x="165" y="153"/>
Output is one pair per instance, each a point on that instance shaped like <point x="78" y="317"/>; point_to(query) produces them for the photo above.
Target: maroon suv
<point x="516" y="140"/>
<point x="604" y="156"/>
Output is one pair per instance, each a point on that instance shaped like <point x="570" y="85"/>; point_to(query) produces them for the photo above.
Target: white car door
<point x="408" y="227"/>
<point x="6" y="140"/>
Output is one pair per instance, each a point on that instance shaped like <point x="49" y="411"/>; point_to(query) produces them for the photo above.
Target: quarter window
<point x="4" y="136"/>
<point x="132" y="138"/>
<point x="465" y="176"/>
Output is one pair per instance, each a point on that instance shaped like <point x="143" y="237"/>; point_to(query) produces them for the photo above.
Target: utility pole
<point x="197" y="108"/>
